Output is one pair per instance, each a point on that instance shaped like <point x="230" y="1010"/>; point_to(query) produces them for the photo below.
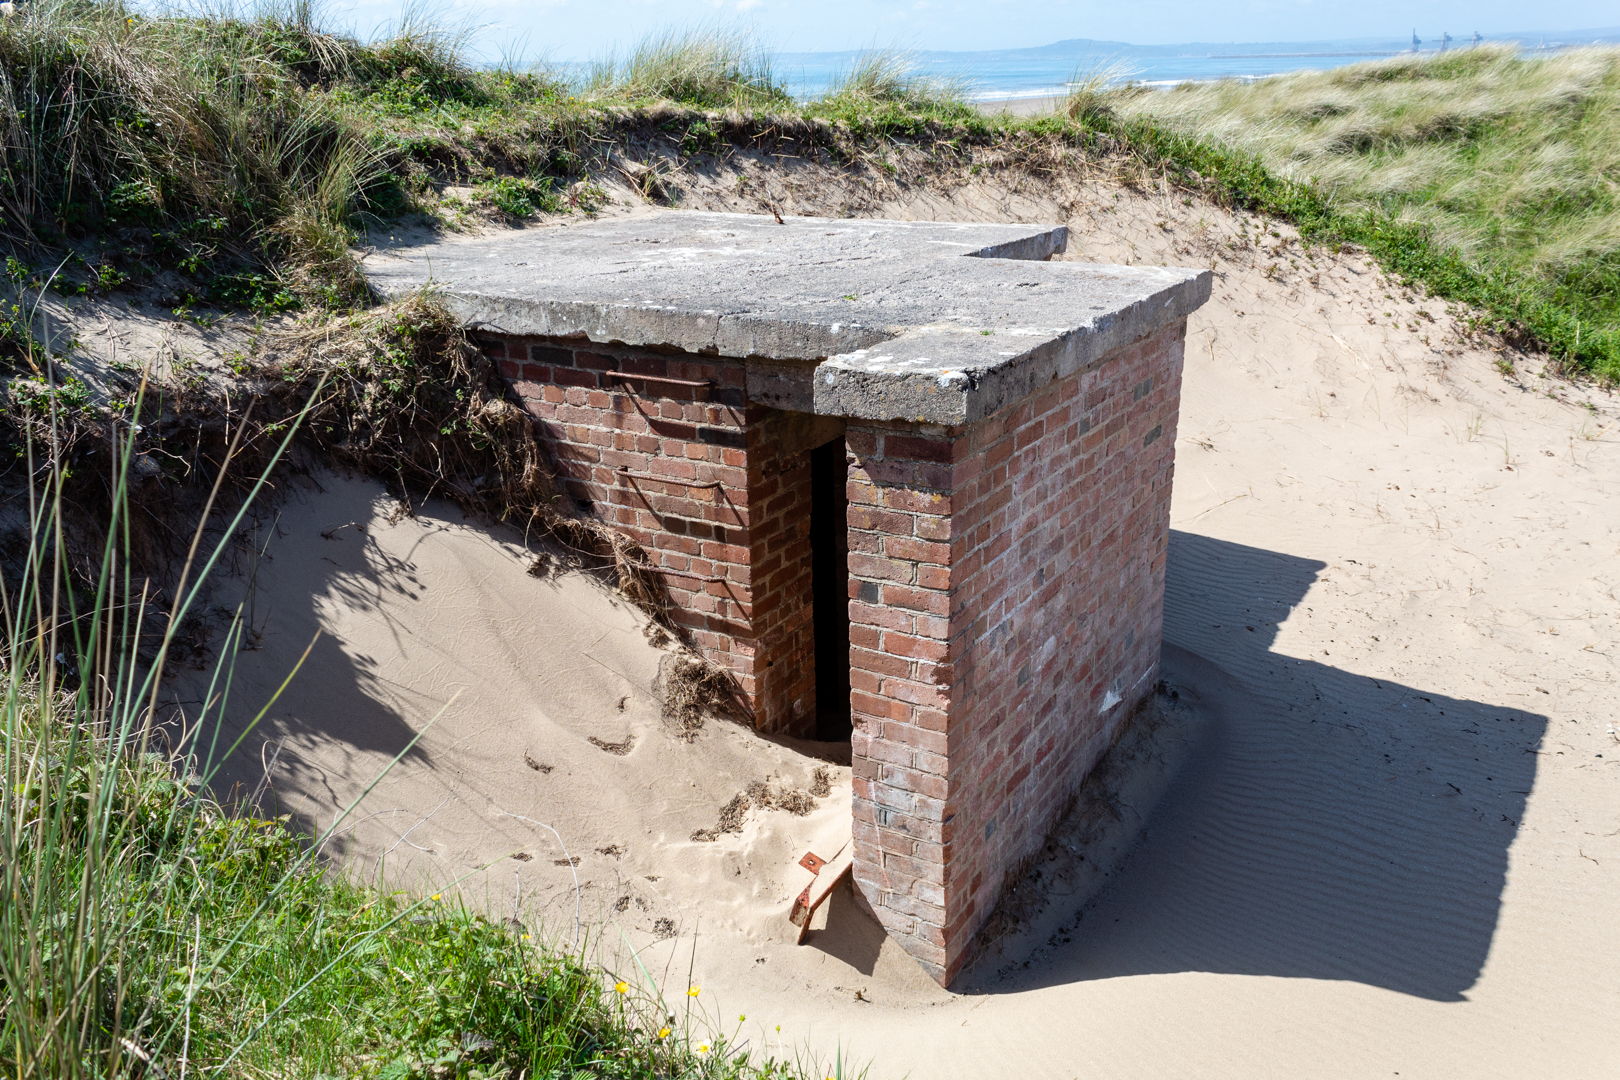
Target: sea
<point x="1049" y="70"/>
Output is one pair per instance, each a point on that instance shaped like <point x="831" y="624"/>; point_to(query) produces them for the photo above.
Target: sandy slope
<point x="543" y="784"/>
<point x="1394" y="844"/>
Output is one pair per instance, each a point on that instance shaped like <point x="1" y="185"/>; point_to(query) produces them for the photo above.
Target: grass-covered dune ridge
<point x="1494" y="152"/>
<point x="245" y="150"/>
<point x="1509" y="165"/>
<point x="222" y="145"/>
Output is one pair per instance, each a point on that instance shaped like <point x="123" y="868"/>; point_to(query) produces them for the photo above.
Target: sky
<point x="566" y="30"/>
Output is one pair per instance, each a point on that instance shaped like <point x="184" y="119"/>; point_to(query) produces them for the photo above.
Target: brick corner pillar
<point x="1006" y="606"/>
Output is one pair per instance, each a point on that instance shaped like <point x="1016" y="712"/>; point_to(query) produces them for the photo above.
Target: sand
<point x="1023" y="106"/>
<point x="1388" y="840"/>
<point x="535" y="776"/>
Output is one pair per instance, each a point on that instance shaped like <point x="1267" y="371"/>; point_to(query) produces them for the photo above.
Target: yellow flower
<point x="525" y="937"/>
<point x="435" y="896"/>
<point x="622" y="987"/>
<point x="741" y="1017"/>
<point x="702" y="1048"/>
<point x="663" y="1033"/>
<point x="694" y="991"/>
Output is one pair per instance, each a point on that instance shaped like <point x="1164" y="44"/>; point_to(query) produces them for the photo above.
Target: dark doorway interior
<point x="829" y="551"/>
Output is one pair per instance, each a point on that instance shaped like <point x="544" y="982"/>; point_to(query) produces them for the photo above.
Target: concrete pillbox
<point x="984" y="559"/>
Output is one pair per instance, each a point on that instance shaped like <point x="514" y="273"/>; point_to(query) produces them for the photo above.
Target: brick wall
<point x="779" y="554"/>
<point x="1006" y="601"/>
<point x="666" y="447"/>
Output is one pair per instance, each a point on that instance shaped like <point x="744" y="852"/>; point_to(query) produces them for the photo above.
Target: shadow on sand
<point x="362" y="723"/>
<point x="1325" y="825"/>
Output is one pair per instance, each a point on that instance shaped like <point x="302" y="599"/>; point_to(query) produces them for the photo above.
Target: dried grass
<point x="795" y="802"/>
<point x="732" y="816"/>
<point x="694" y="688"/>
<point x="821" y="782"/>
<point x="758" y="794"/>
<point x="408" y="398"/>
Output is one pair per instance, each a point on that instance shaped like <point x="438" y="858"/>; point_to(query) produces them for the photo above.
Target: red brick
<point x="905" y="446"/>
<point x="928" y="551"/>
<point x="910" y="599"/>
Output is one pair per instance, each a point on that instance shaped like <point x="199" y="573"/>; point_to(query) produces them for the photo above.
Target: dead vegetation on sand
<point x="762" y="795"/>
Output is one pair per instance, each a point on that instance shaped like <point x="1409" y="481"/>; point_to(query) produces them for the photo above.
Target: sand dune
<point x="1390" y="845"/>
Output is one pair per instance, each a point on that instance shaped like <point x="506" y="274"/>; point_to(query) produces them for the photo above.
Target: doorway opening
<point x="829" y="569"/>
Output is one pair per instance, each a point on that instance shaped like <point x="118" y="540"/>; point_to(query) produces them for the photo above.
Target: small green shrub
<point x="69" y="395"/>
<point x="521" y="198"/>
<point x="259" y="293"/>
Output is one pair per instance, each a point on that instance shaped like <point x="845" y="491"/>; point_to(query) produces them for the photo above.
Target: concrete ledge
<point x="956" y="375"/>
<point x="898" y="324"/>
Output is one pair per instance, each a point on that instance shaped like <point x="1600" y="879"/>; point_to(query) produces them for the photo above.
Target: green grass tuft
<point x="883" y="86"/>
<point x="707" y="67"/>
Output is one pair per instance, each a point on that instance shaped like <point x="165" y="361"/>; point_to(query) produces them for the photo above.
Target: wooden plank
<point x="815" y="894"/>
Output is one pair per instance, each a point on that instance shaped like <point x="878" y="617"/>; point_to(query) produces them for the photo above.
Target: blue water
<point x="1047" y="70"/>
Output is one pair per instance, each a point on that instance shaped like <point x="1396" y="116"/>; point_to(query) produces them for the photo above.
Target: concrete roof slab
<point x="926" y="321"/>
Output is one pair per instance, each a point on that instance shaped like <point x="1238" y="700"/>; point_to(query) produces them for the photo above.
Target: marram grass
<point x="1488" y="177"/>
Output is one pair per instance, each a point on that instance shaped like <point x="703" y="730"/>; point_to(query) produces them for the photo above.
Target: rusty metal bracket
<point x="706" y="385"/>
<point x="624" y="470"/>
<point x="800" y="915"/>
